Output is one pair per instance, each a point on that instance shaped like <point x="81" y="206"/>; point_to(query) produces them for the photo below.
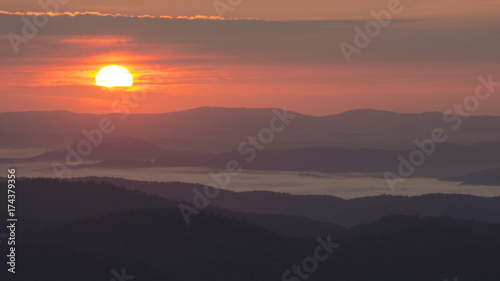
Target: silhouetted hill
<point x="393" y="224"/>
<point x="107" y="227"/>
<point x="484" y="177"/>
<point x="110" y="148"/>
<point x="285" y="225"/>
<point x="448" y="159"/>
<point x="328" y="208"/>
<point x="47" y="202"/>
<point x="157" y="245"/>
<point x="210" y="129"/>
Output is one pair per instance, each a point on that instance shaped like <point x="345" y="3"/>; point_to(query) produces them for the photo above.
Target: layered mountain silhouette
<point x="110" y="228"/>
<point x="329" y="209"/>
<point x="448" y="160"/>
<point x="484" y="177"/>
<point x="110" y="148"/>
<point x="43" y="200"/>
<point x="156" y="245"/>
<point x="210" y="129"/>
<point x="96" y="227"/>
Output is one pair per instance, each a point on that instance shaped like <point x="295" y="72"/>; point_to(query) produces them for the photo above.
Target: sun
<point x="114" y="76"/>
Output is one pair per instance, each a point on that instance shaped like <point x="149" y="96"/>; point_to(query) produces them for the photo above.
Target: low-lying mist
<point x="341" y="185"/>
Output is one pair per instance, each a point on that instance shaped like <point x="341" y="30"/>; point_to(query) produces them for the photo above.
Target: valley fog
<point x="345" y="186"/>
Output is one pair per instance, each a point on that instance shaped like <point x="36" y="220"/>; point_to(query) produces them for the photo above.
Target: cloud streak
<point x="277" y="9"/>
<point x="269" y="42"/>
<point x="74" y="14"/>
<point x="414" y="65"/>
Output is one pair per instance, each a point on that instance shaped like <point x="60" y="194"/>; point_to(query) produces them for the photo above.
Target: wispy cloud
<point x="253" y="62"/>
<point x="275" y="10"/>
<point x="74" y="14"/>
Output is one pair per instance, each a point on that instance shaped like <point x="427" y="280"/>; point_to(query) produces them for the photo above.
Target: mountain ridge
<point x="202" y="108"/>
<point x="214" y="129"/>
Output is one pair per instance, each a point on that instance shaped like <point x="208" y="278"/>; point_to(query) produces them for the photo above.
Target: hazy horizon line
<point x="245" y="108"/>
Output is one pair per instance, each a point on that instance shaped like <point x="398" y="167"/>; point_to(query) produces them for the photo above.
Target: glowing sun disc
<point x="114" y="76"/>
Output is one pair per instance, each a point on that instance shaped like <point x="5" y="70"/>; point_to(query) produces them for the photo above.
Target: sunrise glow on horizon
<point x="114" y="76"/>
<point x="263" y="57"/>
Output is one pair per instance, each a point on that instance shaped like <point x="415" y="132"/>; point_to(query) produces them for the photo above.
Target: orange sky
<point x="412" y="66"/>
<point x="273" y="10"/>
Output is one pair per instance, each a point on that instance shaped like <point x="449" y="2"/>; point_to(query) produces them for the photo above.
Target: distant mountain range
<point x="449" y="160"/>
<point x="484" y="177"/>
<point x="210" y="129"/>
<point x="111" y="148"/>
<point x="83" y="228"/>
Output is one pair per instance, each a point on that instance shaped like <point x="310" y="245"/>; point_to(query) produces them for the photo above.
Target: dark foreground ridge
<point x="102" y="229"/>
